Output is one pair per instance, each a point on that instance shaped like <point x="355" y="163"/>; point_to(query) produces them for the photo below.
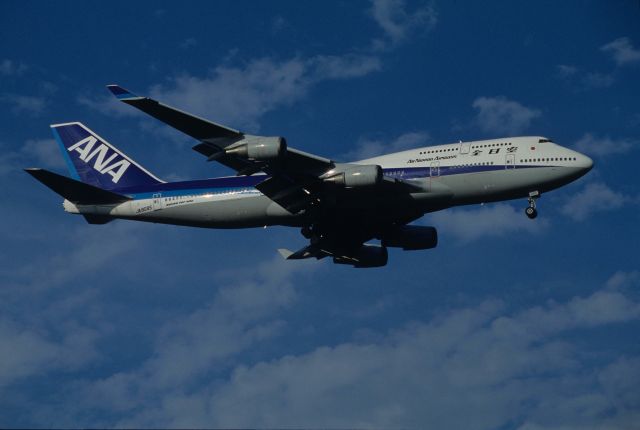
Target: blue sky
<point x="508" y="324"/>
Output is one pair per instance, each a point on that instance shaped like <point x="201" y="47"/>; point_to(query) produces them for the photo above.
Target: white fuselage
<point x="446" y="175"/>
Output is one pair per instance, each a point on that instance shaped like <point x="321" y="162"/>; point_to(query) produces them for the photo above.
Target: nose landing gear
<point x="531" y="210"/>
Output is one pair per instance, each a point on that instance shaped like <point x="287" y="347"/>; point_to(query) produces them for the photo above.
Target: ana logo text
<point x="102" y="164"/>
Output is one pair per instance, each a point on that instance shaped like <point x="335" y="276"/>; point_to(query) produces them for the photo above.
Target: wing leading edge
<point x="196" y="127"/>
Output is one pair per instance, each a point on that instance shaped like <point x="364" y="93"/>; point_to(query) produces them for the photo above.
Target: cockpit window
<point x="545" y="141"/>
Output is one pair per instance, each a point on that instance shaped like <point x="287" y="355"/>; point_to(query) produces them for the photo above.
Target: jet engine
<point x="365" y="256"/>
<point x="356" y="176"/>
<point x="259" y="148"/>
<point x="411" y="237"/>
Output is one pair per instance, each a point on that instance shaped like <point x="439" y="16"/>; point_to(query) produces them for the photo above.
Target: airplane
<point x="339" y="207"/>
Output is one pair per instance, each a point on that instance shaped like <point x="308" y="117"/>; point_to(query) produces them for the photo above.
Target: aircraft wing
<point x="292" y="174"/>
<point x="196" y="127"/>
<point x="295" y="178"/>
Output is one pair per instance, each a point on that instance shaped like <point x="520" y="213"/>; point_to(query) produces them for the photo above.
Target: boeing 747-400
<point x="338" y="206"/>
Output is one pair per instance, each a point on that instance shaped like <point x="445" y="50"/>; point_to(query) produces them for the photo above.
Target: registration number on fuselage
<point x="144" y="209"/>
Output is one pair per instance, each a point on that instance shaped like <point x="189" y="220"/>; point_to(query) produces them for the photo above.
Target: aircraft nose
<point x="585" y="162"/>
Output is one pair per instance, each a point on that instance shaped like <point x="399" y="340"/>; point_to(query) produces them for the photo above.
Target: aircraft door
<point x="510" y="161"/>
<point x="464" y="148"/>
<point x="434" y="171"/>
<point x="157" y="201"/>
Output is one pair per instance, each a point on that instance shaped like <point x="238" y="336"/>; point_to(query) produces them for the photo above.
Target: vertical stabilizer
<point x="93" y="160"/>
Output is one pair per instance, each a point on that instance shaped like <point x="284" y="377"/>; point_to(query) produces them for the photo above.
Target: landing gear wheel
<point x="307" y="232"/>
<point x="531" y="212"/>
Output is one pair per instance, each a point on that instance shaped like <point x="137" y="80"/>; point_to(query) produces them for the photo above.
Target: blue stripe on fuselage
<point x="200" y="186"/>
<point x="425" y="172"/>
<point x="241" y="184"/>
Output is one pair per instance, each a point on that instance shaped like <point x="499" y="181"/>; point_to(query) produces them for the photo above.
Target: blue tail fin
<point x="92" y="160"/>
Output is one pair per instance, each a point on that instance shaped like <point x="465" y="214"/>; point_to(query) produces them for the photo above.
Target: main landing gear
<point x="531" y="210"/>
<point x="307" y="232"/>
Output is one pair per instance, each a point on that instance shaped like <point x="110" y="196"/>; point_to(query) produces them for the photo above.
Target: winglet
<point x="121" y="93"/>
<point x="285" y="253"/>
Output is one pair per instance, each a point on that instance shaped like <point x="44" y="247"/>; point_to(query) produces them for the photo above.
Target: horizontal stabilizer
<point x="76" y="191"/>
<point x="309" y="251"/>
<point x="285" y="253"/>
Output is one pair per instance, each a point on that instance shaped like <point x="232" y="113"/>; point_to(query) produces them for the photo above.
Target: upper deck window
<point x="544" y="140"/>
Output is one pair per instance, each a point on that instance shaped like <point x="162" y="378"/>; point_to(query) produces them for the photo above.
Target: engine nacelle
<point x="356" y="176"/>
<point x="411" y="237"/>
<point x="259" y="148"/>
<point x="366" y="256"/>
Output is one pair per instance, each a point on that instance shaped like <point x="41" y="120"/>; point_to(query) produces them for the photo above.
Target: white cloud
<point x="398" y="23"/>
<point x="50" y="320"/>
<point x="239" y="96"/>
<point x="602" y="146"/>
<point x="622" y="51"/>
<point x="324" y="67"/>
<point x="22" y="352"/>
<point x="85" y="251"/>
<point x="278" y="24"/>
<point x="242" y="314"/>
<point x="497" y="367"/>
<point x="369" y="148"/>
<point x="502" y="367"/>
<point x="623" y="279"/>
<point x="45" y="152"/>
<point x="9" y="161"/>
<point x="24" y="104"/>
<point x="565" y="70"/>
<point x="583" y="79"/>
<point x="34" y="153"/>
<point x="598" y="80"/>
<point x="108" y="105"/>
<point x="501" y="115"/>
<point x="595" y="197"/>
<point x="12" y="68"/>
<point x="27" y="351"/>
<point x="189" y="42"/>
<point x="495" y="219"/>
<point x="622" y="379"/>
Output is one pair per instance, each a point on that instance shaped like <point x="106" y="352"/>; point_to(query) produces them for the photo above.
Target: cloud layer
<point x="369" y="148"/>
<point x="503" y="116"/>
<point x="12" y="68"/>
<point x="594" y="197"/>
<point x="398" y="23"/>
<point x="603" y="145"/>
<point x="499" y="365"/>
<point x="491" y="220"/>
<point x="239" y="96"/>
<point x="622" y="51"/>
<point x="19" y="103"/>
